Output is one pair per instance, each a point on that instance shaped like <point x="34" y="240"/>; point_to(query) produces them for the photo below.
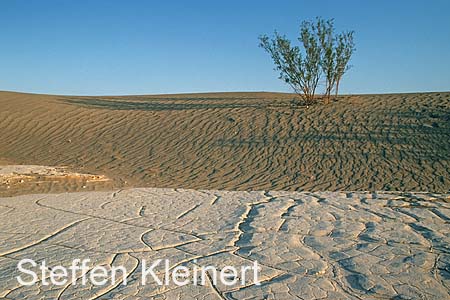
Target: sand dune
<point x="236" y="141"/>
<point x="309" y="245"/>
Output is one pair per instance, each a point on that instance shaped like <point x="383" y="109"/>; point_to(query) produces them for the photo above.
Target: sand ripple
<point x="236" y="141"/>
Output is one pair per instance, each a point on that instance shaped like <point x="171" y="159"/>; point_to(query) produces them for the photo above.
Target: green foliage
<point x="322" y="54"/>
<point x="344" y="49"/>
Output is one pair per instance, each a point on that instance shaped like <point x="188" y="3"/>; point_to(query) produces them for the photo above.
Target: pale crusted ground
<point x="310" y="245"/>
<point x="34" y="179"/>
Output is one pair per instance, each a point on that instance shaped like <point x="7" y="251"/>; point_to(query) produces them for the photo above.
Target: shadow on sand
<point x="163" y="104"/>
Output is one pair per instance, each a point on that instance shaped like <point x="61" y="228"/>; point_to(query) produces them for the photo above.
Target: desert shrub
<point x="322" y="54"/>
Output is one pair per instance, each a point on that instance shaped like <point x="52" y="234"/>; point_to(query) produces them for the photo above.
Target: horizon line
<point x="215" y="92"/>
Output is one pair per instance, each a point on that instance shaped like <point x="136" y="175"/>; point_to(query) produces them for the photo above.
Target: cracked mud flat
<point x="309" y="245"/>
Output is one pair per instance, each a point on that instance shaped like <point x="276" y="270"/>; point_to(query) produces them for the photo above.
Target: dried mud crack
<point x="335" y="245"/>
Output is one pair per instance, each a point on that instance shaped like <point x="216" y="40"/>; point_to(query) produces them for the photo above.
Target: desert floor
<point x="229" y="179"/>
<point x="324" y="245"/>
<point x="232" y="141"/>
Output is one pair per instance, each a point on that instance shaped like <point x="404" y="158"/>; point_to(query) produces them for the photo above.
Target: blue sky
<point x="108" y="47"/>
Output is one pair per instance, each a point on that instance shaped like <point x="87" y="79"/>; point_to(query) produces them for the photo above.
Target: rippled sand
<point x="235" y="141"/>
